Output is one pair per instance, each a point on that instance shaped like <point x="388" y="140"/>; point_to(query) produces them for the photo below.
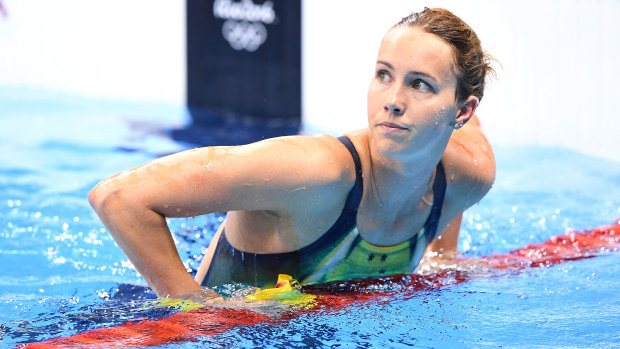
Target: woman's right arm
<point x="144" y="237"/>
<point x="274" y="175"/>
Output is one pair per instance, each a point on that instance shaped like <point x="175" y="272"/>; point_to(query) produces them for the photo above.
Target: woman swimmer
<point x="321" y="208"/>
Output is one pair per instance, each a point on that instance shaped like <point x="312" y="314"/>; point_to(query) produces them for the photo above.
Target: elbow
<point x="489" y="175"/>
<point x="488" y="179"/>
<point x="486" y="172"/>
<point x="485" y="182"/>
<point x="94" y="197"/>
<point x="104" y="197"/>
<point x="481" y="182"/>
<point x="113" y="198"/>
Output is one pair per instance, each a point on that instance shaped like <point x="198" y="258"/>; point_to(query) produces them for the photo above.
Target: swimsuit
<point x="339" y="254"/>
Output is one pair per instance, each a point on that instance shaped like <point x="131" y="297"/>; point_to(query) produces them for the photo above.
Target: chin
<point x="390" y="147"/>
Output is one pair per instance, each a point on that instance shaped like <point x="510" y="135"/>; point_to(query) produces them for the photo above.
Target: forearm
<point x="447" y="242"/>
<point x="144" y="237"/>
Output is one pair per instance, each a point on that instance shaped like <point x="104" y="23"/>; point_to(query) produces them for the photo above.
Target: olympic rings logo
<point x="243" y="35"/>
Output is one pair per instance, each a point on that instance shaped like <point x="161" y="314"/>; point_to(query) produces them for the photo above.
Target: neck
<point x="402" y="179"/>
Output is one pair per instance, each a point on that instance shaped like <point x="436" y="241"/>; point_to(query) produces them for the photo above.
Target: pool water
<point x="62" y="273"/>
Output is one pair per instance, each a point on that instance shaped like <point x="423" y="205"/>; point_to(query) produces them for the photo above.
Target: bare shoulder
<point x="470" y="165"/>
<point x="294" y="173"/>
<point x="319" y="158"/>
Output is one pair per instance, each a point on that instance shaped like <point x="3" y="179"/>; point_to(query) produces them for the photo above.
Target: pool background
<point x="557" y="71"/>
<point x="61" y="270"/>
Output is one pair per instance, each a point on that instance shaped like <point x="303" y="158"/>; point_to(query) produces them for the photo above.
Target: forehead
<point x="413" y="49"/>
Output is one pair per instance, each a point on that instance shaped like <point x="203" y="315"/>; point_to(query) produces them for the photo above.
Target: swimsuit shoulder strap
<point x="355" y="196"/>
<point x="439" y="193"/>
<point x="348" y="217"/>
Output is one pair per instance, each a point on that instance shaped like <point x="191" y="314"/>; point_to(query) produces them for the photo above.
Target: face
<point x="411" y="99"/>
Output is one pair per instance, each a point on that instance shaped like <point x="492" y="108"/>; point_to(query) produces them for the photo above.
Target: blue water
<point x="62" y="273"/>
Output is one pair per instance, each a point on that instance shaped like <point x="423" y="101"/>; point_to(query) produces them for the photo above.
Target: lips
<point x="390" y="126"/>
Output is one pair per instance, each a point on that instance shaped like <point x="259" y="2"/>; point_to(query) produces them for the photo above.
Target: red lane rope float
<point x="178" y="327"/>
<point x="568" y="247"/>
<point x="209" y="321"/>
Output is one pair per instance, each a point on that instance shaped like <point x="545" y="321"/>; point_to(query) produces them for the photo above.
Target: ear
<point x="467" y="109"/>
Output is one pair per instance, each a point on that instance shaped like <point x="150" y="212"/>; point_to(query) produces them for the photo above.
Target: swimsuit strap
<point x="348" y="218"/>
<point x="355" y="196"/>
<point x="439" y="193"/>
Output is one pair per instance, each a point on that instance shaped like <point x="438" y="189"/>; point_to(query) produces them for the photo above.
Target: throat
<point x="395" y="207"/>
<point x="397" y="190"/>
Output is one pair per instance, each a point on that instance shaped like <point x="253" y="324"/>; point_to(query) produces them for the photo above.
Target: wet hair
<point x="472" y="64"/>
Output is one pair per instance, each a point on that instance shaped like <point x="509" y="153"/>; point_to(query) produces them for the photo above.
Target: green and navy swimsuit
<point x="339" y="254"/>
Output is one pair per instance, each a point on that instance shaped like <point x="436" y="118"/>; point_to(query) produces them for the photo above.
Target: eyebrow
<point x="411" y="72"/>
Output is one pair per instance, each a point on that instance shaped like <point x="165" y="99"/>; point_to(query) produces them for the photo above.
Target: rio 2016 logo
<point x="244" y="25"/>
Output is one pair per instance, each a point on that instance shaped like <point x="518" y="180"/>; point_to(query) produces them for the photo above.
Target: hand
<point x="204" y="296"/>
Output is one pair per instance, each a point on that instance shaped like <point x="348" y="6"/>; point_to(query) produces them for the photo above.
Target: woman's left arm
<point x="446" y="243"/>
<point x="470" y="171"/>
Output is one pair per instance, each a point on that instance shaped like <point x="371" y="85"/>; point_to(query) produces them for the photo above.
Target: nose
<point x="394" y="102"/>
<point x="394" y="109"/>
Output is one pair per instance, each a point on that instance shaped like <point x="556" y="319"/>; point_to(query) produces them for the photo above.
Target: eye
<point x="383" y="76"/>
<point x="420" y="85"/>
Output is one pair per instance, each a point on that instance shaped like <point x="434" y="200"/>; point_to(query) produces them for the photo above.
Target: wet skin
<point x="282" y="194"/>
<point x="414" y="72"/>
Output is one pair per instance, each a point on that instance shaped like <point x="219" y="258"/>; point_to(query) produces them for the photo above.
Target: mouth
<point x="392" y="127"/>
